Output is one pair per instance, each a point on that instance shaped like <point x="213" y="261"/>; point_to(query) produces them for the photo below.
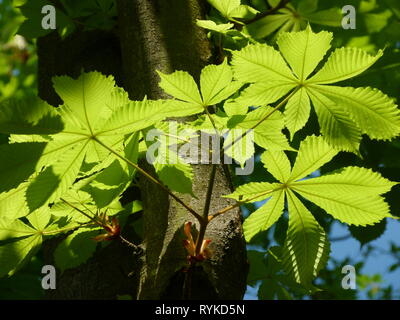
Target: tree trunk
<point x="152" y="35"/>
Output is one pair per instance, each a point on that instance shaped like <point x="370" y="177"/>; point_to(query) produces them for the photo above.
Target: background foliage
<point x="378" y="27"/>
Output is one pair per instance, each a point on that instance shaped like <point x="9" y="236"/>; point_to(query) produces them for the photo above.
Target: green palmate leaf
<point x="179" y="108"/>
<point x="297" y="111"/>
<point x="79" y="199"/>
<point x="256" y="191"/>
<point x="211" y="25"/>
<point x="76" y="218"/>
<point x="40" y="219"/>
<point x="232" y="108"/>
<point x="225" y="6"/>
<point x="213" y="80"/>
<point x="14" y="228"/>
<point x="75" y="249"/>
<point x="354" y="209"/>
<point x="98" y="194"/>
<point x="172" y="133"/>
<point x="29" y="116"/>
<point x="131" y="152"/>
<point x="277" y="163"/>
<point x="205" y="124"/>
<point x="50" y="184"/>
<point x="181" y="85"/>
<point x="18" y="162"/>
<point x="313" y="153"/>
<point x="13" y="203"/>
<point x="241" y="150"/>
<point x="216" y="83"/>
<point x="263" y="93"/>
<point x="374" y="113"/>
<point x="362" y="205"/>
<point x="73" y="125"/>
<point x="110" y="183"/>
<point x="96" y="154"/>
<point x="101" y="155"/>
<point x="264" y="217"/>
<point x="306" y="248"/>
<point x="119" y="97"/>
<point x="260" y="63"/>
<point x="13" y="255"/>
<point x="23" y="241"/>
<point x="244" y="12"/>
<point x="336" y="117"/>
<point x="20" y="138"/>
<point x="172" y="170"/>
<point x="267" y="134"/>
<point x="352" y="195"/>
<point x="93" y="107"/>
<point x="55" y="148"/>
<point x="344" y="63"/>
<point x="87" y="96"/>
<point x="335" y="123"/>
<point x="344" y="113"/>
<point x="304" y="50"/>
<point x="134" y="116"/>
<point x="352" y="180"/>
<point x="177" y="177"/>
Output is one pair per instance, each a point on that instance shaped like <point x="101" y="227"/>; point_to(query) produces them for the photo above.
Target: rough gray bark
<point x="153" y="35"/>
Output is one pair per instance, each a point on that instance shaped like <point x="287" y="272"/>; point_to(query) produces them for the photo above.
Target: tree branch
<point x="203" y="226"/>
